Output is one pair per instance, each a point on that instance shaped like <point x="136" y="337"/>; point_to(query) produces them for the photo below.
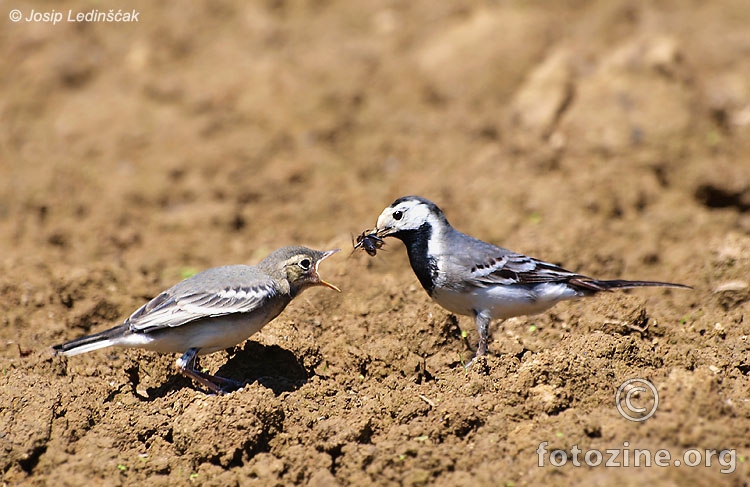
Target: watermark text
<point x="57" y="16"/>
<point x="626" y="457"/>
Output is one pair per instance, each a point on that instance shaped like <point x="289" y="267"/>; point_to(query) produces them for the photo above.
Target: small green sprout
<point x="186" y="272"/>
<point x="713" y="138"/>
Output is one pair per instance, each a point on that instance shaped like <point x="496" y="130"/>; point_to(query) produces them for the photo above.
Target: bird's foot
<point x="479" y="360"/>
<point x="216" y="384"/>
<point x="481" y="348"/>
<point x="473" y="361"/>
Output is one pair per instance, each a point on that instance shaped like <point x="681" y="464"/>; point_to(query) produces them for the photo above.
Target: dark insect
<point x="370" y="242"/>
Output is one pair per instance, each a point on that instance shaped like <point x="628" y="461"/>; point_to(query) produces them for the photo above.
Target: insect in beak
<point x="370" y="242"/>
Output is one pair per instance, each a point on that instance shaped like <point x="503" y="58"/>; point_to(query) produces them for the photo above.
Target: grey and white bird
<point x="212" y="310"/>
<point x="470" y="277"/>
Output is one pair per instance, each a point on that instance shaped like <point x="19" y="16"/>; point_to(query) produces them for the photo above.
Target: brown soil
<point x="612" y="137"/>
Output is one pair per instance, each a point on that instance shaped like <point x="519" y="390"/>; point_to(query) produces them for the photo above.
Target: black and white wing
<point x="484" y="265"/>
<point x="513" y="268"/>
<point x="488" y="265"/>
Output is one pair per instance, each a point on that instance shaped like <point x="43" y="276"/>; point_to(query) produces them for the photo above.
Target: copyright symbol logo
<point x="637" y="399"/>
<point x="15" y="15"/>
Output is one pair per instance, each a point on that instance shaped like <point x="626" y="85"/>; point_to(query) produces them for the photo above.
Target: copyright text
<point x="55" y="17"/>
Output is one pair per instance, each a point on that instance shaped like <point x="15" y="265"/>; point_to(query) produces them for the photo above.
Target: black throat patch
<point x="423" y="265"/>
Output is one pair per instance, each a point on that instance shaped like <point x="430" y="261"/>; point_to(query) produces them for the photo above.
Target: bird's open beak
<point x="321" y="282"/>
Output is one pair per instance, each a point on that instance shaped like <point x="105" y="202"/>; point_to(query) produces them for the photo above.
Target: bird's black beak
<point x="383" y="232"/>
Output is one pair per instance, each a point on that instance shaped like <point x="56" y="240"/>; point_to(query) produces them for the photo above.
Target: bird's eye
<point x="305" y="264"/>
<point x="398" y="214"/>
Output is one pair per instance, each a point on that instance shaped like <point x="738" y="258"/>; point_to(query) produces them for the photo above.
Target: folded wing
<point x="170" y="309"/>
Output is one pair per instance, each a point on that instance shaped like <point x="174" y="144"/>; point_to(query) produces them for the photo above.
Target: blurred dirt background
<point x="609" y="136"/>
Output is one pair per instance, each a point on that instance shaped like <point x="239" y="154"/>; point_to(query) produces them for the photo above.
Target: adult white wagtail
<point x="470" y="277"/>
<point x="212" y="310"/>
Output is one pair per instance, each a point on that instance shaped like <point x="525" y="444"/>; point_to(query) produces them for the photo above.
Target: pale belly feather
<point x="208" y="334"/>
<point x="504" y="302"/>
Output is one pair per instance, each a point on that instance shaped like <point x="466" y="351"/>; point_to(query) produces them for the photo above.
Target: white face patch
<point x="407" y="215"/>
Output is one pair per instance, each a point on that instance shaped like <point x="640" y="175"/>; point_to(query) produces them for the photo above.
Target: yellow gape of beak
<point x="321" y="281"/>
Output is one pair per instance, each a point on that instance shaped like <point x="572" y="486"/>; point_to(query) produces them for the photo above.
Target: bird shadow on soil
<point x="271" y="366"/>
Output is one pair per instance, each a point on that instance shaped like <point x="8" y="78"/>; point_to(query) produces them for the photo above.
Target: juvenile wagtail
<point x="212" y="310"/>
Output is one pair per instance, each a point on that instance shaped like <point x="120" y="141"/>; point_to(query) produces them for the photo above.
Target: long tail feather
<point x="594" y="285"/>
<point x="88" y="343"/>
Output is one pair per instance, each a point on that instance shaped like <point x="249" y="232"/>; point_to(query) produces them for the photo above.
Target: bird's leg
<point x="186" y="366"/>
<point x="483" y="320"/>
